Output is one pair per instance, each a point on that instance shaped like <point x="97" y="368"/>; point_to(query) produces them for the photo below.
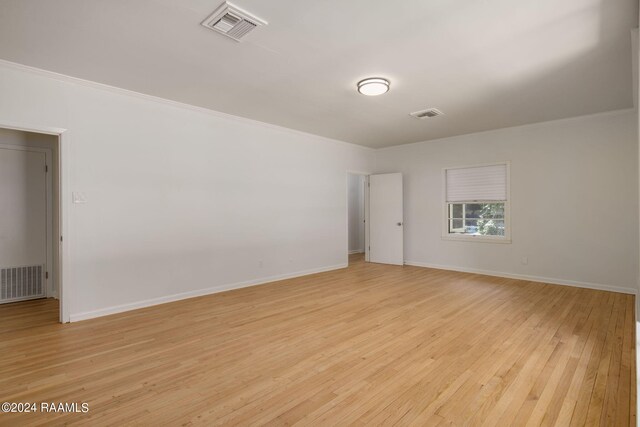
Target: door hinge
<point x="61" y="238"/>
<point x="46" y="275"/>
<point x="46" y="168"/>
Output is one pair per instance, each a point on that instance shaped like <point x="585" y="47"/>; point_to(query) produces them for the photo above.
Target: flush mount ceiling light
<point x="373" y="86"/>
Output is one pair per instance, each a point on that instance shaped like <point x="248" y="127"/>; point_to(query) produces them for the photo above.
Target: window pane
<point x="491" y="227"/>
<point x="492" y="210"/>
<point x="479" y="219"/>
<point x="471" y="226"/>
<point x="456" y="210"/>
<point x="473" y="210"/>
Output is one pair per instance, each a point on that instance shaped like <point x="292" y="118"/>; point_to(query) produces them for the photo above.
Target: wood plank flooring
<point x="367" y="345"/>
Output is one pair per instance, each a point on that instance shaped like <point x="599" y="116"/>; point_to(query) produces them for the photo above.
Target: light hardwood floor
<point x="368" y="345"/>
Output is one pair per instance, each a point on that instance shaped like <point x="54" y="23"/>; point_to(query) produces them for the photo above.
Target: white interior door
<point x="23" y="224"/>
<point x="386" y="219"/>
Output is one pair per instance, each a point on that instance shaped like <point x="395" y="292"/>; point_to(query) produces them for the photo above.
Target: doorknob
<point x="399" y="224"/>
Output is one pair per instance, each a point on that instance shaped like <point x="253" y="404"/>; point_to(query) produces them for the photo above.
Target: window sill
<point x="479" y="239"/>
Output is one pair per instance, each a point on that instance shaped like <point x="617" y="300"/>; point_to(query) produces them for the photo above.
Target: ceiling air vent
<point x="232" y="21"/>
<point x="427" y="114"/>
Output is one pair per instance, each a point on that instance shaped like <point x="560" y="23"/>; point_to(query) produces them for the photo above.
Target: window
<point x="477" y="204"/>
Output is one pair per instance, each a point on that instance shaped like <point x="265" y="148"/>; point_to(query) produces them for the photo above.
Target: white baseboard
<point x="221" y="288"/>
<point x="197" y="293"/>
<point x="550" y="280"/>
<point x="357" y="251"/>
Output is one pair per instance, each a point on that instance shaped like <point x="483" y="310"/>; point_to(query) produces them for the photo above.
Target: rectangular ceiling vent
<point x="232" y="21"/>
<point x="427" y="114"/>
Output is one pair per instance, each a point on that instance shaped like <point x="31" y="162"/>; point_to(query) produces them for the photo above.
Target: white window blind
<point x="482" y="183"/>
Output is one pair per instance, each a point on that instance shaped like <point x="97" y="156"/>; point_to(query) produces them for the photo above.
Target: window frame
<point x="470" y="237"/>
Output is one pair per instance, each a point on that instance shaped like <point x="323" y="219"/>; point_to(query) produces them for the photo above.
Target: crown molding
<point x="202" y="110"/>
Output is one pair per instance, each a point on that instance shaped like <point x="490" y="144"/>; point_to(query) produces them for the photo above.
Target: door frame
<point x="366" y="212"/>
<point x="61" y="182"/>
<point x="48" y="158"/>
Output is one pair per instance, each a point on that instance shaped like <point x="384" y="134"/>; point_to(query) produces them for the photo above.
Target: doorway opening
<point x="30" y="226"/>
<point x="356" y="217"/>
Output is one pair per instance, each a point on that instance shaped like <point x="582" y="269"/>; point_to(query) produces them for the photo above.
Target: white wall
<point x="356" y="212"/>
<point x="181" y="201"/>
<point x="574" y="200"/>
<point x="355" y="185"/>
<point x="635" y="55"/>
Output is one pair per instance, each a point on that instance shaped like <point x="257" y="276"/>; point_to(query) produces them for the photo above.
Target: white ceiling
<point x="486" y="64"/>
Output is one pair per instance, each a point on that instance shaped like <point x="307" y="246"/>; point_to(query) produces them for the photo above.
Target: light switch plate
<point x="79" y="197"/>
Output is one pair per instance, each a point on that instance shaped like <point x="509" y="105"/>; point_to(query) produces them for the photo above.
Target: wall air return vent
<point x="21" y="283"/>
<point x="427" y="114"/>
<point x="232" y="21"/>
